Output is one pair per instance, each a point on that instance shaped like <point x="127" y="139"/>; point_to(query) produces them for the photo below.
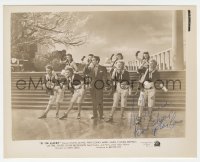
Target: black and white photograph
<point x="99" y="74"/>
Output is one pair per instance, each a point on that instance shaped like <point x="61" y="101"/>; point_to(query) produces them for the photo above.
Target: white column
<point x="177" y="40"/>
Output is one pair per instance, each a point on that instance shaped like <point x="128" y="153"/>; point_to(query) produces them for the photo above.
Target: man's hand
<point x="163" y="88"/>
<point x="82" y="59"/>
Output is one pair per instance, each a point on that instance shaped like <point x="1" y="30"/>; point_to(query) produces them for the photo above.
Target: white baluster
<point x="169" y="66"/>
<point x="137" y="64"/>
<point x="159" y="61"/>
<point x="156" y="58"/>
<point x="164" y="66"/>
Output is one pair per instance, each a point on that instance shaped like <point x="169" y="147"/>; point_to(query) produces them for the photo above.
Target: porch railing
<point x="163" y="59"/>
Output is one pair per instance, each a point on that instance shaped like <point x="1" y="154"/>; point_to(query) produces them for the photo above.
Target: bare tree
<point x="46" y="28"/>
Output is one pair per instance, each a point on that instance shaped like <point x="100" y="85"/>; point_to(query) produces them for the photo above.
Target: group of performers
<point x="96" y="78"/>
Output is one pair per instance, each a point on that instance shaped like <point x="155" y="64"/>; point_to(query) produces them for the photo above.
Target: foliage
<point x="45" y="28"/>
<point x="51" y="58"/>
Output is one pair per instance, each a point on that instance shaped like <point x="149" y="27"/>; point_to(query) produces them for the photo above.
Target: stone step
<point x="42" y="92"/>
<point x="87" y="94"/>
<point x="132" y="77"/>
<point x="37" y="78"/>
<point x="176" y="89"/>
<point x="88" y="100"/>
<point x="38" y="99"/>
<point x="171" y="72"/>
<point x="89" y="103"/>
<point x="44" y="97"/>
<point x="64" y="107"/>
<point x="135" y="75"/>
<point x="132" y="82"/>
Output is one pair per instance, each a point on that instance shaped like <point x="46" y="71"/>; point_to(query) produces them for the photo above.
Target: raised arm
<point x="136" y="56"/>
<point x="75" y="67"/>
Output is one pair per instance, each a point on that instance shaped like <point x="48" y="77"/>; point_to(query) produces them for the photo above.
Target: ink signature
<point x="159" y="122"/>
<point x="164" y="121"/>
<point x="138" y="129"/>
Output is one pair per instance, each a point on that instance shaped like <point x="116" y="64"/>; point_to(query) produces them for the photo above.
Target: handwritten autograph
<point x="164" y="121"/>
<point x="160" y="122"/>
<point x="139" y="130"/>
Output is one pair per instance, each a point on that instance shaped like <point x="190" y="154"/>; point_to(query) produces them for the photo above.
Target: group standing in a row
<point x="97" y="79"/>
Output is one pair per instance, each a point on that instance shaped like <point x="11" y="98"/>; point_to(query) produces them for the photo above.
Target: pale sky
<point x="126" y="32"/>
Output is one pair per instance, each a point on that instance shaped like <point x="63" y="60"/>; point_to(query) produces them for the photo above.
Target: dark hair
<point x="147" y="54"/>
<point x="120" y="54"/>
<point x="91" y="55"/>
<point x="97" y="58"/>
<point x="62" y="54"/>
<point x="63" y="51"/>
<point x="69" y="54"/>
<point x="49" y="67"/>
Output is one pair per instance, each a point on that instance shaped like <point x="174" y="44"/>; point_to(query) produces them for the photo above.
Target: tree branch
<point x="49" y="29"/>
